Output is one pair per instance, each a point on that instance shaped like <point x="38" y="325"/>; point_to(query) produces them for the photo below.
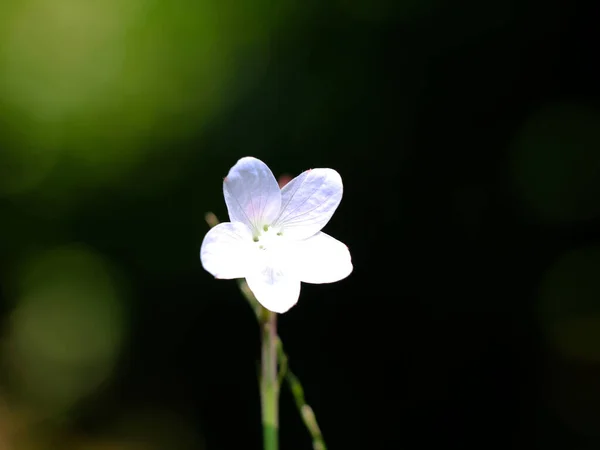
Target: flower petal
<point x="274" y="288"/>
<point x="321" y="259"/>
<point x="251" y="193"/>
<point x="227" y="250"/>
<point x="308" y="202"/>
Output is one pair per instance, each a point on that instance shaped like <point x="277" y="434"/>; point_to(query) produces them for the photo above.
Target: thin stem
<point x="306" y="412"/>
<point x="269" y="385"/>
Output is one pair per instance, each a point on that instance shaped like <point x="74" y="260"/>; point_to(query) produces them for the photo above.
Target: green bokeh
<point x="556" y="163"/>
<point x="102" y="84"/>
<point x="569" y="305"/>
<point x="67" y="327"/>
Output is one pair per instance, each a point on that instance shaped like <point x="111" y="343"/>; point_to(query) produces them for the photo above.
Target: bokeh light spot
<point x="66" y="329"/>
<point x="569" y="305"/>
<point x="556" y="163"/>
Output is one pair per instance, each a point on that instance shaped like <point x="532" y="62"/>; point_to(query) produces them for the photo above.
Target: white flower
<point x="274" y="238"/>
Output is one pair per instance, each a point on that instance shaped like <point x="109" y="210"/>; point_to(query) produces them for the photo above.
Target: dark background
<point x="467" y="135"/>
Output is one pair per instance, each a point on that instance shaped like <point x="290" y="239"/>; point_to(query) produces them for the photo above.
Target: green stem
<point x="270" y="397"/>
<point x="307" y="413"/>
<point x="269" y="383"/>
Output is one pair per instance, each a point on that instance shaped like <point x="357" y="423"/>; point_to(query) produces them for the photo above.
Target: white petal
<point x="321" y="259"/>
<point x="308" y="202"/>
<point x="274" y="289"/>
<point x="251" y="193"/>
<point x="227" y="251"/>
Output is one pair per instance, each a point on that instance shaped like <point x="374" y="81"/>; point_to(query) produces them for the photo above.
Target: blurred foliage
<point x="101" y="84"/>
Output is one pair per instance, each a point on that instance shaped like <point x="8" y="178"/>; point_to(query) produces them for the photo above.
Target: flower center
<point x="268" y="237"/>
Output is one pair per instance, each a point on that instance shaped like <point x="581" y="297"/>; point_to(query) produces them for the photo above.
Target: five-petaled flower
<point x="274" y="239"/>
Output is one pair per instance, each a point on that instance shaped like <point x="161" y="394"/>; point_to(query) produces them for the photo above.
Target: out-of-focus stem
<point x="306" y="412"/>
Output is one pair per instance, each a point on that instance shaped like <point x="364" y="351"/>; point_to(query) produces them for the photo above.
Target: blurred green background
<point x="468" y="139"/>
